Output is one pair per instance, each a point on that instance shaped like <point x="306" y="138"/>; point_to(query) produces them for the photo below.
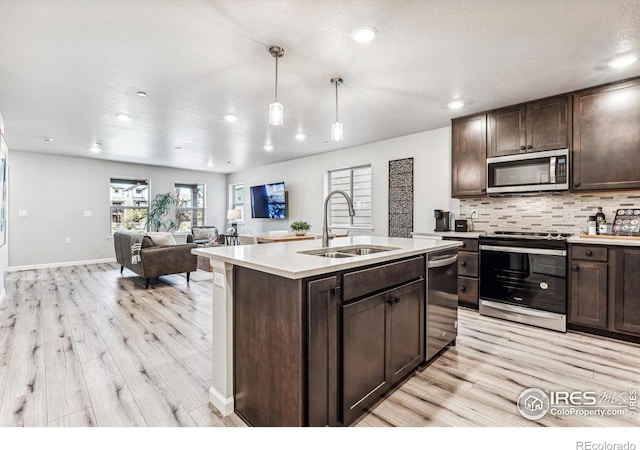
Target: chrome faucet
<point x="325" y="228"/>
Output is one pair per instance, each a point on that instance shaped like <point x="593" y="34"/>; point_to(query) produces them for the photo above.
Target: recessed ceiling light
<point x="142" y="94"/>
<point x="455" y="104"/>
<point x="363" y="34"/>
<point x="300" y="136"/>
<point x="96" y="148"/>
<point x="268" y="147"/>
<point x="178" y="148"/>
<point x="623" y="61"/>
<point x="123" y="117"/>
<point x="230" y="117"/>
<point x="210" y="164"/>
<point x="47" y="139"/>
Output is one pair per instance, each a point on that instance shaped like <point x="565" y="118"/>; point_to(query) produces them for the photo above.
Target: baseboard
<point x="224" y="405"/>
<point x="60" y="264"/>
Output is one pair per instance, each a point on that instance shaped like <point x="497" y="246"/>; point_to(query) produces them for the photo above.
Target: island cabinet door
<point x="364" y="351"/>
<point x="322" y="352"/>
<point x="405" y="329"/>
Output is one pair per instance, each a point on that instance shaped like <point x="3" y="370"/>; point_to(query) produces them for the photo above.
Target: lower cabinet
<point x="627" y="291"/>
<point x="383" y="340"/>
<point x="604" y="293"/>
<point x="589" y="293"/>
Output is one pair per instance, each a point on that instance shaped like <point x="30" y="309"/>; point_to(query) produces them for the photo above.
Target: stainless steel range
<point x="523" y="278"/>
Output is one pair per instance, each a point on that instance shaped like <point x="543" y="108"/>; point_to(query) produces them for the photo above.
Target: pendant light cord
<point x="337" y="101"/>
<point x="276" y="99"/>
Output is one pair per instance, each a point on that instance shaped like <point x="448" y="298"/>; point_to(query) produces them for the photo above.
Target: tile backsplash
<point x="559" y="213"/>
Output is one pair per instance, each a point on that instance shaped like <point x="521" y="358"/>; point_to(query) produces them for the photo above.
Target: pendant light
<point x="336" y="127"/>
<point x="276" y="110"/>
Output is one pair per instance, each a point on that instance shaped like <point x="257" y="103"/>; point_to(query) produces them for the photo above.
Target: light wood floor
<point x="83" y="346"/>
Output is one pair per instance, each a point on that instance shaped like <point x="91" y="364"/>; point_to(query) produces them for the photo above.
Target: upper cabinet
<point x="606" y="137"/>
<point x="530" y="127"/>
<point x="469" y="155"/>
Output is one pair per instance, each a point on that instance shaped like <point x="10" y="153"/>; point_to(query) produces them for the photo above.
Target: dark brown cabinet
<point x="469" y="156"/>
<point x="468" y="269"/>
<point x="317" y="351"/>
<point x="383" y="340"/>
<point x="627" y="292"/>
<point x="322" y="350"/>
<point x="606" y="141"/>
<point x="588" y="293"/>
<point x="530" y="127"/>
<point x="604" y="290"/>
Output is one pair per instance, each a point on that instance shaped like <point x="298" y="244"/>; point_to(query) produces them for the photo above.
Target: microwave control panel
<point x="561" y="170"/>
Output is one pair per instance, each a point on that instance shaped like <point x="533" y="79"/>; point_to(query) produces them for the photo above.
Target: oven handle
<point x="520" y="310"/>
<point x="434" y="263"/>
<point x="532" y="251"/>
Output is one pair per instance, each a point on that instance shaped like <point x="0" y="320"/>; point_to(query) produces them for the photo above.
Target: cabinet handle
<point x="574" y="268"/>
<point x="463" y="263"/>
<point x="483" y="190"/>
<point x="522" y="148"/>
<point x="529" y="147"/>
<point x="393" y="300"/>
<point x="462" y="288"/>
<point x="576" y="184"/>
<point x="588" y="253"/>
<point x="335" y="290"/>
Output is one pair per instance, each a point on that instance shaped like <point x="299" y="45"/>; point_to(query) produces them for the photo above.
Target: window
<point x="129" y="204"/>
<point x="355" y="181"/>
<point x="236" y="201"/>
<point x="189" y="206"/>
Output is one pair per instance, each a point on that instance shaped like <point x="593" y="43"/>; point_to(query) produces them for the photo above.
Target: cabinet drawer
<point x="363" y="282"/>
<point x="468" y="264"/>
<point x="468" y="290"/>
<point x="468" y="244"/>
<point x="591" y="253"/>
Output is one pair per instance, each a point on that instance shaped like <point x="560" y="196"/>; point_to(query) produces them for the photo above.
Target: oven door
<point x="529" y="277"/>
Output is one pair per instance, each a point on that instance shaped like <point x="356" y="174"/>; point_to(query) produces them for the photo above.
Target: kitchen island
<point x="303" y="336"/>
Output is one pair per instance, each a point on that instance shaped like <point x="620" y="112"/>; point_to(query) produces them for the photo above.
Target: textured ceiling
<point x="68" y="66"/>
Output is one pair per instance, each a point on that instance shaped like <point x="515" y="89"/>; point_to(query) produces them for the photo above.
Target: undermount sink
<point x="348" y="251"/>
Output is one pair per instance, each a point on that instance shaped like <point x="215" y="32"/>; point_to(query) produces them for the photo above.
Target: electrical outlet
<point x="87" y="213"/>
<point x="474" y="213"/>
<point x="22" y="213"/>
<point x="218" y="279"/>
<point x="67" y="241"/>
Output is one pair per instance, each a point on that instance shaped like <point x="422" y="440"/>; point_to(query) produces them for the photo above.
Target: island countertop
<point x="283" y="259"/>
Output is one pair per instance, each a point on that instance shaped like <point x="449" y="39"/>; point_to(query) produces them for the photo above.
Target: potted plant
<point x="159" y="208"/>
<point x="300" y="227"/>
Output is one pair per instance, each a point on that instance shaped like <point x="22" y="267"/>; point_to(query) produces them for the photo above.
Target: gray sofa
<point x="152" y="255"/>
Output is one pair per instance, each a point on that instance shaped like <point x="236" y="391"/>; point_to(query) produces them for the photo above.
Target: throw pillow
<point x="160" y="238"/>
<point x="200" y="234"/>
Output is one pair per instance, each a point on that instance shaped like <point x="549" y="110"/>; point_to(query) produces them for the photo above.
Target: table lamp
<point x="233" y="215"/>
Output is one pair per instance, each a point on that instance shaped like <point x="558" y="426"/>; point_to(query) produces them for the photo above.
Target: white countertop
<point x="457" y="234"/>
<point x="604" y="241"/>
<point x="283" y="259"/>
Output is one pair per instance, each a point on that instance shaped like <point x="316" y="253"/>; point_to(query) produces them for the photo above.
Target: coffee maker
<point x="442" y="220"/>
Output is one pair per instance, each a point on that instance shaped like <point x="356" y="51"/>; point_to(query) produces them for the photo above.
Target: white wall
<point x="56" y="190"/>
<point x="3" y="249"/>
<point x="305" y="181"/>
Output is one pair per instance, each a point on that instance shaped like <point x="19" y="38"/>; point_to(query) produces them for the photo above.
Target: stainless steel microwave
<point x="529" y="172"/>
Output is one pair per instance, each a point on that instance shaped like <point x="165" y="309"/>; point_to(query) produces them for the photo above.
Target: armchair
<point x="153" y="254"/>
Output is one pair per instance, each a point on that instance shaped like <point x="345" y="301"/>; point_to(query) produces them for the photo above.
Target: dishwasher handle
<point x="441" y="262"/>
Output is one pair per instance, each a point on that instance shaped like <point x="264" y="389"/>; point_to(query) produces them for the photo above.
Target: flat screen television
<point x="268" y="201"/>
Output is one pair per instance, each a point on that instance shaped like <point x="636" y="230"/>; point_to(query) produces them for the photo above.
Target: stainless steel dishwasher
<point x="442" y="300"/>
